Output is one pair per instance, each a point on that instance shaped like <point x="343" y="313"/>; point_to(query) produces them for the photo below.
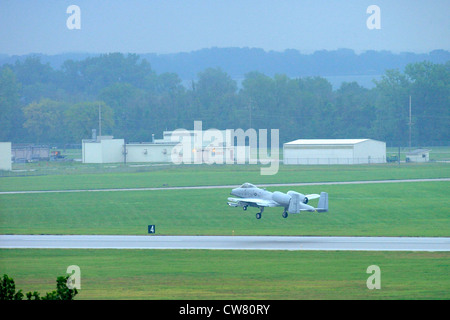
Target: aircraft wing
<point x="253" y="202"/>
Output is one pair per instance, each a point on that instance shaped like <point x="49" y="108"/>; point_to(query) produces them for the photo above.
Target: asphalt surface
<point x="225" y="242"/>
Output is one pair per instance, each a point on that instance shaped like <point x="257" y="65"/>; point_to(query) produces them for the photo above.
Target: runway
<point x="225" y="242"/>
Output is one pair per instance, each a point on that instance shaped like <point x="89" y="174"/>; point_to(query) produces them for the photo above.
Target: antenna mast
<point x="410" y="122"/>
<point x="99" y="120"/>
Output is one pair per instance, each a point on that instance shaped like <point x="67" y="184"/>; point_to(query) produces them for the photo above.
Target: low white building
<point x="334" y="151"/>
<point x="5" y="156"/>
<point x="186" y="146"/>
<point x="418" y="155"/>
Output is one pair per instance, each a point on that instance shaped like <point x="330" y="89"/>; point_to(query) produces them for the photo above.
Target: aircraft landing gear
<point x="285" y="214"/>
<point x="258" y="215"/>
<point x="244" y="208"/>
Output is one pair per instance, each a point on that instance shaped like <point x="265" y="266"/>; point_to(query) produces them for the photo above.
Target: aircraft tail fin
<point x="323" y="202"/>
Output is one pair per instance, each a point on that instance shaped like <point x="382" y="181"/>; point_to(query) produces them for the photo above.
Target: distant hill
<point x="338" y="65"/>
<point x="238" y="61"/>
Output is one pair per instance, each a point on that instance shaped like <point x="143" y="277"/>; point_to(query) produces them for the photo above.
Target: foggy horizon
<point x="172" y="27"/>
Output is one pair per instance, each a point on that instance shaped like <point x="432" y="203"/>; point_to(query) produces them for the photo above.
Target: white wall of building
<point x="334" y="151"/>
<point x="149" y="152"/>
<point x="5" y="156"/>
<point x="102" y="151"/>
<point x="112" y="150"/>
<point x="370" y="151"/>
<point x="420" y="155"/>
<point x="91" y="152"/>
<point x="317" y="155"/>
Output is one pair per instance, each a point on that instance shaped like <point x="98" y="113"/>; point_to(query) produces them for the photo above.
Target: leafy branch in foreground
<point x="62" y="292"/>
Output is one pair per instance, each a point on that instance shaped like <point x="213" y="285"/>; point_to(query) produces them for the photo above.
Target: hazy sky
<point x="169" y="26"/>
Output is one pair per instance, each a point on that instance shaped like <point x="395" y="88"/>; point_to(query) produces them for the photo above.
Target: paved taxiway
<point x="225" y="242"/>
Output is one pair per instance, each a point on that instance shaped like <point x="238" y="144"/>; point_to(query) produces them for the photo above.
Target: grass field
<point x="203" y="175"/>
<point x="400" y="209"/>
<point x="388" y="209"/>
<point x="206" y="274"/>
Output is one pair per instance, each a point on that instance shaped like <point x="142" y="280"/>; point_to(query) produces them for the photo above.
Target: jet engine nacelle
<point x="302" y="197"/>
<point x="282" y="198"/>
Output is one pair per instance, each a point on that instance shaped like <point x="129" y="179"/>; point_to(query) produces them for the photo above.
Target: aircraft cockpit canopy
<point x="248" y="185"/>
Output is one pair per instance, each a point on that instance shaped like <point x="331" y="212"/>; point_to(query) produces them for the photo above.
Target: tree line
<point x="239" y="61"/>
<point x="41" y="104"/>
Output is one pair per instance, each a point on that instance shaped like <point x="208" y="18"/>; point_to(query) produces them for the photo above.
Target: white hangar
<point x="334" y="151"/>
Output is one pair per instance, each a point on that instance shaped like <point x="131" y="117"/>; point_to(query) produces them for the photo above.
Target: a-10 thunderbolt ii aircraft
<point x="293" y="202"/>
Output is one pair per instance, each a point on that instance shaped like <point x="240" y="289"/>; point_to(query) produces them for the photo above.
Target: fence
<point x="331" y="161"/>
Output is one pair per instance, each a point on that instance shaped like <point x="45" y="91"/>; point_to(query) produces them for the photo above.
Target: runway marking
<point x="429" y="244"/>
<point x="226" y="186"/>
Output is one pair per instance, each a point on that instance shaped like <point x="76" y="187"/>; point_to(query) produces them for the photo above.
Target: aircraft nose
<point x="233" y="192"/>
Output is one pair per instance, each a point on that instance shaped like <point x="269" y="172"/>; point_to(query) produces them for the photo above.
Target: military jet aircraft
<point x="293" y="202"/>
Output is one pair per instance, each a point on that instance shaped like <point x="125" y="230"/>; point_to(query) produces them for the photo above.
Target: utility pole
<point x="99" y="120"/>
<point x="410" y="123"/>
<point x="125" y="151"/>
<point x="250" y="106"/>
